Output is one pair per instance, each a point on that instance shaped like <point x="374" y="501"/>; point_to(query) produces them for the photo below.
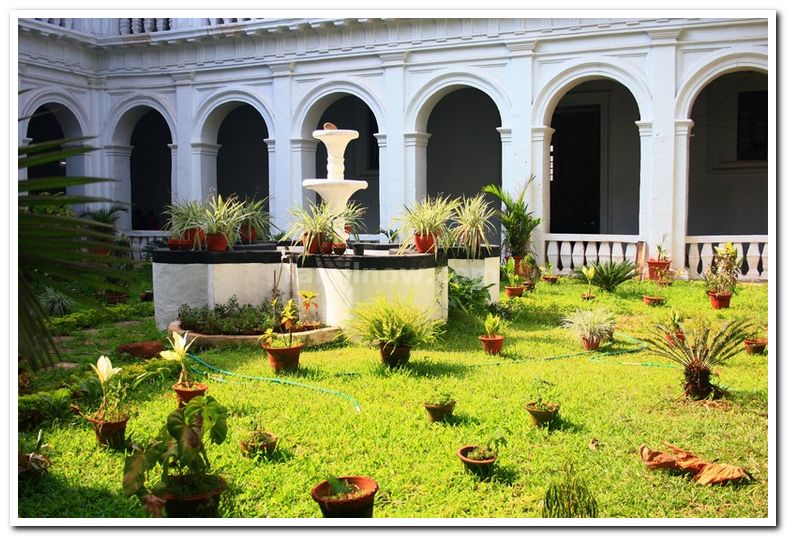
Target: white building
<point x="635" y="129"/>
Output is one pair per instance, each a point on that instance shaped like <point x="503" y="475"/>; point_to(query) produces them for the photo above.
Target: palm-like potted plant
<point x="722" y="277"/>
<point x="185" y="388"/>
<point x="259" y="442"/>
<point x="675" y="324"/>
<point x="492" y="340"/>
<point x="439" y="406"/>
<point x="425" y="224"/>
<point x="480" y="458"/>
<point x="514" y="286"/>
<point x="756" y="341"/>
<point x="221" y="219"/>
<point x="256" y="223"/>
<point x="702" y="350"/>
<point x="529" y="271"/>
<point x="184" y="221"/>
<point x="472" y="224"/>
<point x="542" y="406"/>
<point x="661" y="263"/>
<point x="589" y="272"/>
<point x="185" y="488"/>
<point x="395" y="327"/>
<point x="592" y="327"/>
<point x="346" y="496"/>
<point x="547" y="272"/>
<point x="517" y="220"/>
<point x="312" y="226"/>
<point x="283" y="355"/>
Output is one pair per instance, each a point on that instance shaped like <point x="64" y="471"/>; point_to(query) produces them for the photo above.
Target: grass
<point x="621" y="406"/>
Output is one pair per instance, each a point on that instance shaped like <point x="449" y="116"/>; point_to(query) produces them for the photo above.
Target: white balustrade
<point x="139" y="26"/>
<point x="139" y="239"/>
<point x="567" y="251"/>
<point x="753" y="249"/>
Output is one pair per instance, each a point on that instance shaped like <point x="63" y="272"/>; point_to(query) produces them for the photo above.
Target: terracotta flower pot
<point x="339" y="248"/>
<point x="186" y="394"/>
<point x="720" y="300"/>
<point x="326" y="248"/>
<point x="671" y="338"/>
<point x="550" y="278"/>
<point x="588" y="296"/>
<point x="312" y="247"/>
<point x="481" y="468"/>
<point x="514" y="290"/>
<point x="394" y="356"/>
<point x="248" y="234"/>
<point x="492" y="344"/>
<point x="114" y="297"/>
<point x="217" y="242"/>
<point x="110" y="433"/>
<point x="655" y="267"/>
<point x="252" y="447"/>
<point x="542" y="418"/>
<point x="178" y="244"/>
<point x="284" y="358"/>
<point x="424" y="243"/>
<point x="439" y="412"/>
<point x="528" y="285"/>
<point x="755" y="346"/>
<point x="195" y="237"/>
<point x="653" y="300"/>
<point x="591" y="344"/>
<point x="356" y="505"/>
<point x="202" y="505"/>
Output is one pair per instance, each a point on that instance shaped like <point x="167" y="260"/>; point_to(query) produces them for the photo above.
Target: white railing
<point x="140" y="238"/>
<point x="142" y="26"/>
<point x="567" y="251"/>
<point x="752" y="248"/>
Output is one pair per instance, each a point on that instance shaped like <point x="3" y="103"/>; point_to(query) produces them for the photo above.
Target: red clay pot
<point x="202" y="505"/>
<point x="591" y="344"/>
<point x="195" y="237"/>
<point x="492" y="344"/>
<point x="284" y="358"/>
<point x="116" y="298"/>
<point x="720" y="300"/>
<point x="359" y="505"/>
<point x="653" y="300"/>
<point x="248" y="234"/>
<point x="755" y="346"/>
<point x="550" y="279"/>
<point x="424" y="243"/>
<point x="672" y="337"/>
<point x="514" y="290"/>
<point x="394" y="356"/>
<point x="326" y="248"/>
<point x="541" y="418"/>
<point x="482" y="468"/>
<point x="312" y="247"/>
<point x="217" y="242"/>
<point x="339" y="248"/>
<point x="178" y="244"/>
<point x="439" y="412"/>
<point x="528" y="285"/>
<point x="187" y="394"/>
<point x="655" y="266"/>
<point x="110" y="433"/>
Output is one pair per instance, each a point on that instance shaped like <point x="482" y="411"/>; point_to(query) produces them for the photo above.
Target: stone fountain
<point x="335" y="190"/>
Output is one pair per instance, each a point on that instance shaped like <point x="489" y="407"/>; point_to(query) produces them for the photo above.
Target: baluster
<point x="162" y="24"/>
<point x="552" y="252"/>
<point x="125" y="26"/>
<point x="764" y="258"/>
<point x="591" y="253"/>
<point x="604" y="253"/>
<point x="578" y="255"/>
<point x="149" y="25"/>
<point x="706" y="256"/>
<point x="694" y="258"/>
<point x="739" y="247"/>
<point x="753" y="260"/>
<point x="136" y="26"/>
<point x="617" y="252"/>
<point x="565" y="256"/>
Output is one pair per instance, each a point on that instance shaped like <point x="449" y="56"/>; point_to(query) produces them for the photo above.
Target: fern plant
<point x="569" y="497"/>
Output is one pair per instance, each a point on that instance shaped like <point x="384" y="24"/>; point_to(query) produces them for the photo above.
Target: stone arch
<point x="124" y="116"/>
<point x="550" y="94"/>
<point x="312" y="106"/>
<point x="716" y="65"/>
<point x="73" y="122"/>
<point x="420" y="106"/>
<point x="212" y="112"/>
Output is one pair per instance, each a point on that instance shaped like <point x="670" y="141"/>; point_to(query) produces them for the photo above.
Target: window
<point x="753" y="125"/>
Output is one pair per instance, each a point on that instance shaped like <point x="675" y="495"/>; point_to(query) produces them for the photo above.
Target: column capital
<point x="118" y="150"/>
<point x="25" y="141"/>
<point x="505" y="134"/>
<point x="393" y="59"/>
<point x="271" y="143"/>
<point x="201" y="148"/>
<point x="382" y="139"/>
<point x="416" y="139"/>
<point x="645" y="128"/>
<point x="521" y="49"/>
<point x="666" y="37"/>
<point x="281" y="69"/>
<point x="183" y="79"/>
<point x="303" y="144"/>
<point x="541" y="134"/>
<point x="683" y="127"/>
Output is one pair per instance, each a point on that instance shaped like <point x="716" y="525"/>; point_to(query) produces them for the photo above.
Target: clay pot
<point x="755" y="346"/>
<point x="591" y="344"/>
<point x="284" y="358"/>
<point x="514" y="290"/>
<point x="187" y="394"/>
<point x="312" y="247"/>
<point x="720" y="300"/>
<point x="439" y="412"/>
<point x="541" y="418"/>
<point x="529" y="286"/>
<point x="552" y="279"/>
<point x="492" y="344"/>
<point x="358" y="248"/>
<point x="251" y="448"/>
<point x="655" y="267"/>
<point x="110" y="433"/>
<point x="357" y="505"/>
<point x="424" y="243"/>
<point x="339" y="248"/>
<point x="178" y="244"/>
<point x="671" y="338"/>
<point x="248" y="235"/>
<point x="653" y="300"/>
<point x="481" y="468"/>
<point x="326" y="248"/>
<point x="394" y="356"/>
<point x="202" y="505"/>
<point x="195" y="237"/>
<point x="588" y="296"/>
<point x="217" y="242"/>
<point x="114" y="297"/>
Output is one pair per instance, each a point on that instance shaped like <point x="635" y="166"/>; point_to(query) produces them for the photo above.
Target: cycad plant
<point x="472" y="224"/>
<point x="517" y="221"/>
<point x="701" y="350"/>
<point x="569" y="497"/>
<point x="609" y="274"/>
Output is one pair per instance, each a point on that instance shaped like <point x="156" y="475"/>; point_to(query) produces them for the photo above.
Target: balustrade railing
<point x="143" y="26"/>
<point x="139" y="239"/>
<point x="567" y="251"/>
<point x="753" y="249"/>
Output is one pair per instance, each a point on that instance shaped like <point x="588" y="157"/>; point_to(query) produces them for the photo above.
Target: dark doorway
<point x="151" y="171"/>
<point x="242" y="162"/>
<point x="44" y="127"/>
<point x="576" y="170"/>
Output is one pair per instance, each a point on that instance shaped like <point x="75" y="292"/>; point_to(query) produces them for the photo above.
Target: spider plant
<point x="594" y="325"/>
<point x="223" y="216"/>
<point x="471" y="218"/>
<point x="428" y="217"/>
<point x="256" y="218"/>
<point x="353" y="218"/>
<point x="517" y="221"/>
<point x="701" y="350"/>
<point x="311" y="226"/>
<point x="183" y="216"/>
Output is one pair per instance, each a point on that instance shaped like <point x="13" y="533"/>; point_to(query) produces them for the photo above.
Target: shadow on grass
<point x="460" y="419"/>
<point x="280" y="456"/>
<point x="562" y="424"/>
<point x="53" y="496"/>
<point x="420" y="368"/>
<point x="498" y="473"/>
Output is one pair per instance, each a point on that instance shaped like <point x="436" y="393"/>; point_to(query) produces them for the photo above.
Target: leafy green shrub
<point x="94" y="316"/>
<point x="229" y="319"/>
<point x="609" y="274"/>
<point x="569" y="497"/>
<point x="55" y="303"/>
<point x="593" y="325"/>
<point x="467" y="294"/>
<point x="394" y="324"/>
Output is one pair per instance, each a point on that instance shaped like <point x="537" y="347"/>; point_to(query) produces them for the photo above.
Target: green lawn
<point x="620" y="405"/>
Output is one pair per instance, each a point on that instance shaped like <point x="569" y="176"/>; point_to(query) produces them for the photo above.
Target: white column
<point x="302" y="163"/>
<point x="393" y="179"/>
<point x="25" y="141"/>
<point x="645" y="175"/>
<point x="173" y="150"/>
<point x="389" y="207"/>
<point x="415" y="144"/>
<point x="186" y="182"/>
<point x="119" y="161"/>
<point x="541" y="137"/>
<point x="205" y="157"/>
<point x="283" y="180"/>
<point x="508" y="179"/>
<point x="681" y="172"/>
<point x="271" y="145"/>
<point x="519" y="78"/>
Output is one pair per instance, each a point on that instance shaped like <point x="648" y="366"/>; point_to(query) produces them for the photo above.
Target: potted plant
<point x="471" y="225"/>
<point x="32" y="465"/>
<point x="517" y="221"/>
<point x="109" y="421"/>
<point x="184" y="221"/>
<point x="722" y="277"/>
<point x="120" y="260"/>
<point x="354" y="225"/>
<point x="756" y="342"/>
<point x="439" y="406"/>
<point x="312" y="227"/>
<point x="283" y="355"/>
<point x="221" y="220"/>
<point x="542" y="408"/>
<point x="346" y="496"/>
<point x="425" y="224"/>
<point x="659" y="265"/>
<point x="513" y="279"/>
<point x="529" y="270"/>
<point x="590" y="274"/>
<point x="257" y="221"/>
<point x="593" y="327"/>
<point x="492" y="340"/>
<point x="259" y="442"/>
<point x="395" y="327"/>
<point x="676" y="332"/>
<point x="652" y="299"/>
<point x="480" y="459"/>
<point x="185" y="388"/>
<point x="185" y="488"/>
<point x="547" y="274"/>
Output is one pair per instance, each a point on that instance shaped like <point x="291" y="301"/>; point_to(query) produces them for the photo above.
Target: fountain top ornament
<point x="335" y="190"/>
